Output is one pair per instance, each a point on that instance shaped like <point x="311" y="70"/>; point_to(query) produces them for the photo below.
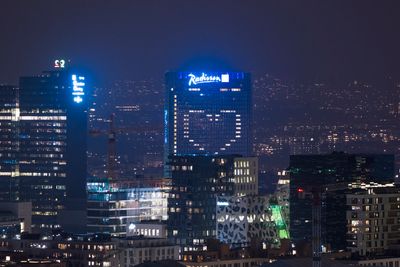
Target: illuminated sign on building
<point x="204" y="78"/>
<point x="78" y="85"/>
<point x="59" y="63"/>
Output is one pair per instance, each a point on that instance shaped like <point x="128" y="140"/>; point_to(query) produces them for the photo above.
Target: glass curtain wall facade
<point x="51" y="144"/>
<point x="114" y="204"/>
<point x="197" y="181"/>
<point x="207" y="114"/>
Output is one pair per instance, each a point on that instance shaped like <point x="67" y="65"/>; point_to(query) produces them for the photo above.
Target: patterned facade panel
<point x="241" y="219"/>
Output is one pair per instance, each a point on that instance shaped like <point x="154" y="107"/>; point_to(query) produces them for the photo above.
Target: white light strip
<point x="43" y="118"/>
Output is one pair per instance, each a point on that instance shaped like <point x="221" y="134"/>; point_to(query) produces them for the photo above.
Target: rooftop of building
<point x="142" y="241"/>
<point x="62" y="236"/>
<point x="297" y="261"/>
<point x="163" y="263"/>
<point x="151" y="222"/>
<point x="376" y="188"/>
<point x="341" y="154"/>
<point x="123" y="183"/>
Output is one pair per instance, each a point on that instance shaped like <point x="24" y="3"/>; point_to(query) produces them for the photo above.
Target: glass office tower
<point x="197" y="181"/>
<point x="51" y="158"/>
<point x="207" y="114"/>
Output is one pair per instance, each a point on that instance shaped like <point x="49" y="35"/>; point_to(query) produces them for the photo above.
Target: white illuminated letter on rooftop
<point x="204" y="78"/>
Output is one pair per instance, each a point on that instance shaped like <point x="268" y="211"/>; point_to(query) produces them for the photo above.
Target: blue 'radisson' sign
<point x="204" y="78"/>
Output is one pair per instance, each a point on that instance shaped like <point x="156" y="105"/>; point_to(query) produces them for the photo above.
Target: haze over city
<point x="141" y="39"/>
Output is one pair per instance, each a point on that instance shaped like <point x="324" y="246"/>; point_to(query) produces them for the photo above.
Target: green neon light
<point x="279" y="222"/>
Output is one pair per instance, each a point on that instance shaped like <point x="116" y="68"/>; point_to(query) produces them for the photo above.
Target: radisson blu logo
<point x="204" y="78"/>
<point x="78" y="85"/>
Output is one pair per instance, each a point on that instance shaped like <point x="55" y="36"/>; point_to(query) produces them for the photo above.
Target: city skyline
<point x="199" y="133"/>
<point x="289" y="118"/>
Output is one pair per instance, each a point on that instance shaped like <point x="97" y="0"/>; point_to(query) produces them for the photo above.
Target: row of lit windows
<point x="44" y="111"/>
<point x="229" y="89"/>
<point x="367" y="222"/>
<point x="44" y="124"/>
<point x="44" y="213"/>
<point x="53" y="174"/>
<point x="182" y="168"/>
<point x="5" y="118"/>
<point x="242" y="164"/>
<point x="60" y="162"/>
<point x="242" y="171"/>
<point x="245" y="182"/>
<point x="42" y="156"/>
<point x="147" y="232"/>
<point x="366" y="200"/>
<point x="64" y="246"/>
<point x="175" y="124"/>
<point x="49" y="187"/>
<point x="43" y="118"/>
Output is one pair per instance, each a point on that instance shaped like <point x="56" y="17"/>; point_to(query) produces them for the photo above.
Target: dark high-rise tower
<point x="49" y="163"/>
<point x="332" y="173"/>
<point x="207" y="114"/>
<point x="196" y="183"/>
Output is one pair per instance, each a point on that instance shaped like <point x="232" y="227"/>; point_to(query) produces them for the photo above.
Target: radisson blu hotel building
<point x="207" y="113"/>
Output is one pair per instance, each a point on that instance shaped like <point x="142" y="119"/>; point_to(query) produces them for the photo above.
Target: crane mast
<point x="111" y="153"/>
<point x="316" y="227"/>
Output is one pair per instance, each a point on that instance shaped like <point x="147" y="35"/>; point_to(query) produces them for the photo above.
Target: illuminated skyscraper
<point x="207" y="114"/>
<point x="43" y="144"/>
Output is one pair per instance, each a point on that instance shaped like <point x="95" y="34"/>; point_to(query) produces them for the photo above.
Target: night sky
<point x="132" y="39"/>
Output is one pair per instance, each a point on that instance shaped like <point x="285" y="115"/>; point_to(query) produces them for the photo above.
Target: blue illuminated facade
<point x="207" y="113"/>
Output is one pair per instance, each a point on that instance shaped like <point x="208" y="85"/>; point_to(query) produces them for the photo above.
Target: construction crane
<point x="316" y="226"/>
<point x="111" y="134"/>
